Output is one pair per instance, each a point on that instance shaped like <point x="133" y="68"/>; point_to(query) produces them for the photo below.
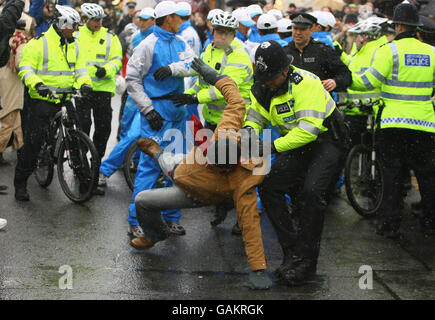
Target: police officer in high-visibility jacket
<point x="227" y="56"/>
<point x="404" y="71"/>
<point x="369" y="38"/>
<point x="103" y="54"/>
<point x="309" y="154"/>
<point x="51" y="61"/>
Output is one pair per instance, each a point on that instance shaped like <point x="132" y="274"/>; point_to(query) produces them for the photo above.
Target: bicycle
<point x="363" y="176"/>
<point x="70" y="149"/>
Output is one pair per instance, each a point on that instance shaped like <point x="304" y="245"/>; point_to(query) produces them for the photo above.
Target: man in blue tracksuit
<point x="255" y="12"/>
<point x="156" y="69"/>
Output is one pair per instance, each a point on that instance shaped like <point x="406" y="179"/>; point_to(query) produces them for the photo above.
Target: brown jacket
<point x="211" y="186"/>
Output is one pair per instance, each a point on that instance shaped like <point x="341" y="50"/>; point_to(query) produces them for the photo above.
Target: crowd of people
<point x="264" y="84"/>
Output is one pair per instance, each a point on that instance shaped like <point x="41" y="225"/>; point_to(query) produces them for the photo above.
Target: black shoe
<point x="219" y="216"/>
<point x="287" y="263"/>
<point x="236" y="230"/>
<point x="302" y="271"/>
<point x="99" y="191"/>
<point x="21" y="194"/>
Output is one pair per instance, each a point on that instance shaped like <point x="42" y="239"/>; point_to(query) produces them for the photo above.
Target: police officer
<point x="103" y="54"/>
<point x="404" y="71"/>
<point x="308" y="159"/>
<point x="368" y="38"/>
<point x="49" y="62"/>
<point x="315" y="56"/>
<point x="426" y="32"/>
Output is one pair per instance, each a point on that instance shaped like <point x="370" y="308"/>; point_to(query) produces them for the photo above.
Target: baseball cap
<point x="165" y="8"/>
<point x="213" y="12"/>
<point x="284" y="25"/>
<point x="147" y="13"/>
<point x="243" y="17"/>
<point x="275" y="12"/>
<point x="131" y="4"/>
<point x="254" y="10"/>
<point x="321" y="18"/>
<point x="267" y="22"/>
<point x="184" y="9"/>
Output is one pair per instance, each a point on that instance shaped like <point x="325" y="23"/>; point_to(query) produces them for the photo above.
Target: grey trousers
<point x="149" y="203"/>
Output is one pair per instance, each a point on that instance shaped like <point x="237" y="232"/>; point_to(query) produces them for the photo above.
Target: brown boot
<point x="149" y="146"/>
<point x="141" y="243"/>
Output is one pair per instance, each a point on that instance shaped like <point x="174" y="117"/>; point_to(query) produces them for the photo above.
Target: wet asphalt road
<point x="207" y="263"/>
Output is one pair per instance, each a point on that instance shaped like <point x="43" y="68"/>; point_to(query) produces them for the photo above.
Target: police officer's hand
<point x="42" y="89"/>
<point x="184" y="99"/>
<point x="329" y="84"/>
<point x="86" y="90"/>
<point x="162" y="73"/>
<point x="208" y="73"/>
<point x="155" y="120"/>
<point x="101" y="72"/>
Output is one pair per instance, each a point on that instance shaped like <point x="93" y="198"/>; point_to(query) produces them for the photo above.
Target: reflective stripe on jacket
<point x="104" y="49"/>
<point x="404" y="70"/>
<point x="45" y="60"/>
<point x="298" y="114"/>
<point x="234" y="62"/>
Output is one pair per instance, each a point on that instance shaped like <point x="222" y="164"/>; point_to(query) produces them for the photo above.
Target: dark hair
<point x="160" y="21"/>
<point x="267" y="31"/>
<point x="351" y="18"/>
<point x="285" y="34"/>
<point x="427" y="36"/>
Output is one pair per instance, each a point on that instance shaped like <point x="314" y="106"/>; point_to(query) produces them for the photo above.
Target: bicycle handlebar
<point x="64" y="92"/>
<point x="366" y="106"/>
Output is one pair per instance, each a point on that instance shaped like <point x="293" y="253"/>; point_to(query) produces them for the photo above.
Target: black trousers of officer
<point x="99" y="103"/>
<point x="39" y="113"/>
<point x="306" y="174"/>
<point x="415" y="149"/>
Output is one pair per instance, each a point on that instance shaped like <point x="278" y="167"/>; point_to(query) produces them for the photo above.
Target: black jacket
<point x="8" y="21"/>
<point x="323" y="61"/>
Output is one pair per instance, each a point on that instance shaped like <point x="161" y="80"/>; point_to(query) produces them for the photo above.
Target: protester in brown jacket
<point x="204" y="180"/>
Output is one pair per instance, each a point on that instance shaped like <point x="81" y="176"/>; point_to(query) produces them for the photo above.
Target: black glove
<point x="101" y="72"/>
<point x="182" y="99"/>
<point x="42" y="89"/>
<point x="155" y="120"/>
<point x="86" y="90"/>
<point x="209" y="74"/>
<point x="338" y="49"/>
<point x="162" y="73"/>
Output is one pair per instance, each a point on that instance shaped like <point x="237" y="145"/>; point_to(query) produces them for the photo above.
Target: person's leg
<point x="83" y="107"/>
<point x="311" y="202"/>
<point x="40" y="114"/>
<point x="421" y="158"/>
<point x="391" y="152"/>
<point x="150" y="203"/>
<point x="117" y="156"/>
<point x="102" y="111"/>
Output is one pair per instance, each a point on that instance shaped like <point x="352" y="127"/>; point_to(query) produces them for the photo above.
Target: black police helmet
<point x="407" y="14"/>
<point x="270" y="61"/>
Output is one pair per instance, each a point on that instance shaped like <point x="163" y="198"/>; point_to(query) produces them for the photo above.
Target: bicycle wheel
<point x="364" y="182"/>
<point x="130" y="166"/>
<point x="44" y="170"/>
<point x="78" y="172"/>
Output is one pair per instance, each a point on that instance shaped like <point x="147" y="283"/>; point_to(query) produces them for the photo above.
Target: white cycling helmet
<point x="213" y="12"/>
<point x="226" y="20"/>
<point x="372" y="27"/>
<point x="92" y="11"/>
<point x="66" y="17"/>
